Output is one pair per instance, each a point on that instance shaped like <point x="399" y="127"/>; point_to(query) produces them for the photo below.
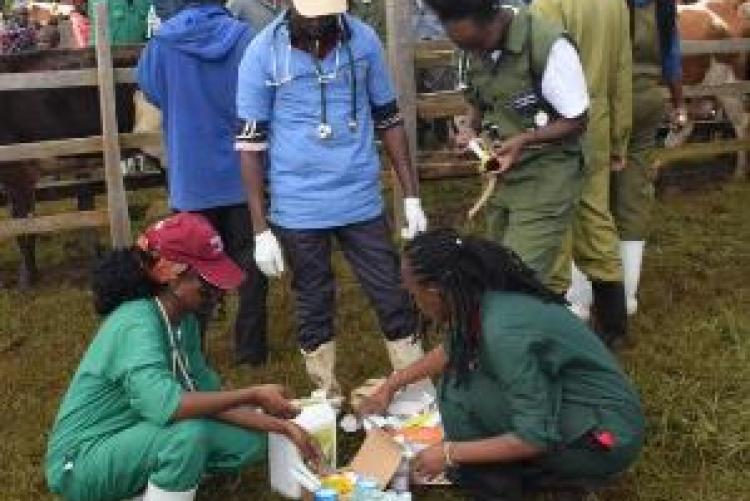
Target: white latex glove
<point x="416" y="222"/>
<point x="268" y="254"/>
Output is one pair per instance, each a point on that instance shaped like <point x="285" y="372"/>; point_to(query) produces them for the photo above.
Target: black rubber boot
<point x="610" y="313"/>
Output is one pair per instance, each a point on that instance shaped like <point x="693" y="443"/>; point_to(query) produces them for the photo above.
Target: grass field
<point x="692" y="360"/>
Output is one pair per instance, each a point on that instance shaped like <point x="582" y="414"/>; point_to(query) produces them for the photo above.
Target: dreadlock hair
<point x="464" y="268"/>
<point x="118" y="277"/>
<point x="480" y="11"/>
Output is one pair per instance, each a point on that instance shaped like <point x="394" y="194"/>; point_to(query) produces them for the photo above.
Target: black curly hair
<point x="480" y="11"/>
<point x="119" y="276"/>
<point x="464" y="268"/>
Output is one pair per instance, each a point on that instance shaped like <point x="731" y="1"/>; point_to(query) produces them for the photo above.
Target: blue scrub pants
<point x="368" y="248"/>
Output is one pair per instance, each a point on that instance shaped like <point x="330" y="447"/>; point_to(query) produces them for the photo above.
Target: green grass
<point x="692" y="361"/>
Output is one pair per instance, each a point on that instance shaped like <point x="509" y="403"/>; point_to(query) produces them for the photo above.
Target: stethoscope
<point x="179" y="362"/>
<point x="325" y="131"/>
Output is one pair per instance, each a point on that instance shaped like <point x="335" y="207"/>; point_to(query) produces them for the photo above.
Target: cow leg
<point x="87" y="201"/>
<point x="21" y="201"/>
<point x="734" y="108"/>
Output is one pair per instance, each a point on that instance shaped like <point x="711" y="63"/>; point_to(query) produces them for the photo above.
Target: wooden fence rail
<point x="104" y="77"/>
<point x="60" y="79"/>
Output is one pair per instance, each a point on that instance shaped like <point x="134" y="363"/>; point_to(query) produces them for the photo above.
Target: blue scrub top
<point x="315" y="183"/>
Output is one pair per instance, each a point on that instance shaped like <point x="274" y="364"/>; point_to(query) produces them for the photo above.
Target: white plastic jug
<point x="318" y="418"/>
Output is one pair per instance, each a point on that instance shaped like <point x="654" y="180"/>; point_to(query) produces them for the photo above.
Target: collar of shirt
<point x="515" y="40"/>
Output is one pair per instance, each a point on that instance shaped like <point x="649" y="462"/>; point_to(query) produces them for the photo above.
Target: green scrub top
<point x="128" y="21"/>
<point x="543" y="376"/>
<point x="125" y="378"/>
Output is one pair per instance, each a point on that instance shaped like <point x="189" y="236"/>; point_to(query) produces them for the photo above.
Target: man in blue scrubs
<point x="313" y="89"/>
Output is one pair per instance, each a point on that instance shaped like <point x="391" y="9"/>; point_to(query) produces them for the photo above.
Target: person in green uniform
<point x="530" y="398"/>
<point x="127" y="21"/>
<point x="656" y="56"/>
<point x="526" y="84"/>
<point x="601" y="32"/>
<point x="144" y="411"/>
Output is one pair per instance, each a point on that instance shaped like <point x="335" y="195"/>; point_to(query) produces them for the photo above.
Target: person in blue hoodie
<point x="189" y="71"/>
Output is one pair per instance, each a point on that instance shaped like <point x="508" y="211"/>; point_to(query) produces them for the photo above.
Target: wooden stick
<point x="399" y="15"/>
<point x="119" y="220"/>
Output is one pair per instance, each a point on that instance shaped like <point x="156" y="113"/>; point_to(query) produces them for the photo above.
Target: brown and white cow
<point x="707" y="20"/>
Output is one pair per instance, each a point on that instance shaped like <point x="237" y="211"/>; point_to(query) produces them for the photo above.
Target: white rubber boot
<point x="580" y="295"/>
<point x="321" y="367"/>
<point x="155" y="493"/>
<point x="404" y="352"/>
<point x="631" y="253"/>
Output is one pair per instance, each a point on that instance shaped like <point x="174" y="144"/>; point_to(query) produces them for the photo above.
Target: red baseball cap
<point x="189" y="239"/>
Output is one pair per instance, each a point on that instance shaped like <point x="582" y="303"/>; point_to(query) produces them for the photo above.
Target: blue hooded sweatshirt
<point x="189" y="71"/>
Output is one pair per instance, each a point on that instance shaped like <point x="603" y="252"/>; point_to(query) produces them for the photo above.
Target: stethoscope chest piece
<point x="325" y="131"/>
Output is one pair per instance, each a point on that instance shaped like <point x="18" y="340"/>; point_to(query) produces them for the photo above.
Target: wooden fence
<point x="405" y="56"/>
<point x="104" y="76"/>
<point x="438" y="165"/>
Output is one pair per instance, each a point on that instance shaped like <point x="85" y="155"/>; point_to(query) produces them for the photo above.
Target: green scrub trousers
<point x="174" y="458"/>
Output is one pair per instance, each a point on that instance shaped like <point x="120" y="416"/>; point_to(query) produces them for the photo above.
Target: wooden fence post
<point x="400" y="36"/>
<point x="119" y="220"/>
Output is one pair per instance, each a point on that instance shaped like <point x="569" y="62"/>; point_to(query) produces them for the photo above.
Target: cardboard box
<point x="378" y="458"/>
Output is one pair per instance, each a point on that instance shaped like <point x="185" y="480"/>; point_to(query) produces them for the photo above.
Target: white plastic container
<point x="318" y="417"/>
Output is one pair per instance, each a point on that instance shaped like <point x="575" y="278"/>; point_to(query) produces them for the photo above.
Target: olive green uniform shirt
<point x="533" y="206"/>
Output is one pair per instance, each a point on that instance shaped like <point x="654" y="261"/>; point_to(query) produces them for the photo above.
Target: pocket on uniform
<point x="576" y="422"/>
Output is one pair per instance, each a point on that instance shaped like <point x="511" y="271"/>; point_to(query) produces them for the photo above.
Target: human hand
<point x="268" y="255"/>
<point x="507" y="152"/>
<point x="678" y="118"/>
<point x="416" y="221"/>
<point x="378" y="402"/>
<point x="274" y="400"/>
<point x="430" y="462"/>
<point x="305" y="443"/>
<point x="617" y="163"/>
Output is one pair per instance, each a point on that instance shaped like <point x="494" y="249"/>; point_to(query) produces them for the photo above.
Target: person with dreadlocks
<point x="144" y="410"/>
<point x="530" y="397"/>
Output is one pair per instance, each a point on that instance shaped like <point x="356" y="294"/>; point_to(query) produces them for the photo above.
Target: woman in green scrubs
<point x="530" y="398"/>
<point x="144" y="411"/>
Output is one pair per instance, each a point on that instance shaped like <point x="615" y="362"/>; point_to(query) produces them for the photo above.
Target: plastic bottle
<point x="401" y="480"/>
<point x="319" y="419"/>
<point x="366" y="490"/>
